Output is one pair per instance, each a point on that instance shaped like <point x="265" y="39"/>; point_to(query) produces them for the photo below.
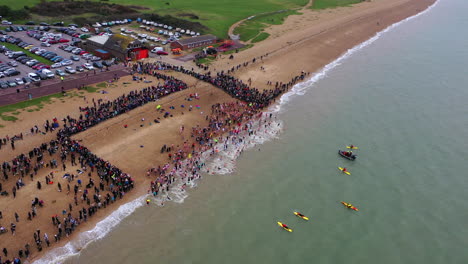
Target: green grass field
<point x="218" y="15"/>
<point x="252" y="28"/>
<point x="13" y="108"/>
<point x="32" y="55"/>
<point x="323" y="4"/>
<point x="260" y="37"/>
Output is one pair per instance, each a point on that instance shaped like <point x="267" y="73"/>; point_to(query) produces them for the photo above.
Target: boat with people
<point x="347" y="154"/>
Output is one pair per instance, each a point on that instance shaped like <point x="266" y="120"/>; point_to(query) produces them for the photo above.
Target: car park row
<point x="42" y="71"/>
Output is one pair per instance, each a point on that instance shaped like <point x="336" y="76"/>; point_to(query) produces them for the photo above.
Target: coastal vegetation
<point x="216" y="15"/>
<point x="323" y="4"/>
<point x="253" y="27"/>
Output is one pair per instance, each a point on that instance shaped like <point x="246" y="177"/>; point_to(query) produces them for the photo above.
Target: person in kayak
<point x="351" y="146"/>
<point x="345" y="170"/>
<point x="299" y="214"/>
<point x="350" y="206"/>
<point x="285" y="226"/>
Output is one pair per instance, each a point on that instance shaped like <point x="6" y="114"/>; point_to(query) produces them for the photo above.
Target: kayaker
<point x="284" y="226"/>
<point x="299" y="214"/>
<point x="344" y="170"/>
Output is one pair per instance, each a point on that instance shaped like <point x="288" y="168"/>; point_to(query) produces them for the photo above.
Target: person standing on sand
<point x="5" y="252"/>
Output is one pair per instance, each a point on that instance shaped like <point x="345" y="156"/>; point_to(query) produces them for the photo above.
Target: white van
<point x="156" y="49"/>
<point x="48" y="73"/>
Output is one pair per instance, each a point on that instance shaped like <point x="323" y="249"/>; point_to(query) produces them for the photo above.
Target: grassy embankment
<point x="323" y="4"/>
<point x="252" y="29"/>
<point x="14" y="109"/>
<point x="32" y="55"/>
<point x="9" y="112"/>
<point x="217" y="15"/>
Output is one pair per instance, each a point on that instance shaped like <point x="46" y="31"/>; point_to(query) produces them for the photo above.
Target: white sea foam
<point x="102" y="228"/>
<point x="223" y="162"/>
<point x="301" y="88"/>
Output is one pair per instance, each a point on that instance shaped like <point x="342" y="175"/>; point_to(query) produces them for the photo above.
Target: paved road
<point x="11" y="96"/>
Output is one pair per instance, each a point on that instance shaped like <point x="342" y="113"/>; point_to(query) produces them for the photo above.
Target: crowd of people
<point x="233" y="86"/>
<point x="225" y="123"/>
<point x="111" y="179"/>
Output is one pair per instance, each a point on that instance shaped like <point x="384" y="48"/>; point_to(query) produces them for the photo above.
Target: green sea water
<point x="403" y="101"/>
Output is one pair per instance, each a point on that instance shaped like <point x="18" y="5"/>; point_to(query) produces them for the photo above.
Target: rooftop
<point x="99" y="39"/>
<point x="196" y="39"/>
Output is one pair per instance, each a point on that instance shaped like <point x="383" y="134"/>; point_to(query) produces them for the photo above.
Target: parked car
<point x="74" y="58"/>
<point x="79" y="68"/>
<point x="45" y="44"/>
<point x="11" y="83"/>
<point x="48" y="73"/>
<point x="60" y="73"/>
<point x="97" y="64"/>
<point x="11" y="72"/>
<point x="67" y="62"/>
<point x="56" y="65"/>
<point x="88" y="66"/>
<point x="34" y="77"/>
<point x="13" y="63"/>
<point x="19" y="81"/>
<point x="3" y="85"/>
<point x="161" y="52"/>
<point x="70" y="70"/>
<point x="32" y="62"/>
<point x="27" y="80"/>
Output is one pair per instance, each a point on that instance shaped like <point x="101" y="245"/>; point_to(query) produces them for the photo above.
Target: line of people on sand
<point x="229" y="84"/>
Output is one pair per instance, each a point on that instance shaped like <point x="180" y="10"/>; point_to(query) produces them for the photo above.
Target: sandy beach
<point x="132" y="141"/>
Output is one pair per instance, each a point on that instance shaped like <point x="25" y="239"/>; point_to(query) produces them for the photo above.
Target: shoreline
<point x="284" y="98"/>
<point x="136" y="195"/>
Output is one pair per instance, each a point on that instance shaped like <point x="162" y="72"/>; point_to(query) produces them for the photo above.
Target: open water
<point x="402" y="98"/>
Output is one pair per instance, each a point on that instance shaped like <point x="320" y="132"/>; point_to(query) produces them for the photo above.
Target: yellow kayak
<point x="344" y="171"/>
<point x="285" y="227"/>
<point x="301" y="216"/>
<point x="352" y="147"/>
<point x="350" y="206"/>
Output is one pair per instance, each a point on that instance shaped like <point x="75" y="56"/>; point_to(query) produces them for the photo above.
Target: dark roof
<point x="196" y="39"/>
<point x="120" y="43"/>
